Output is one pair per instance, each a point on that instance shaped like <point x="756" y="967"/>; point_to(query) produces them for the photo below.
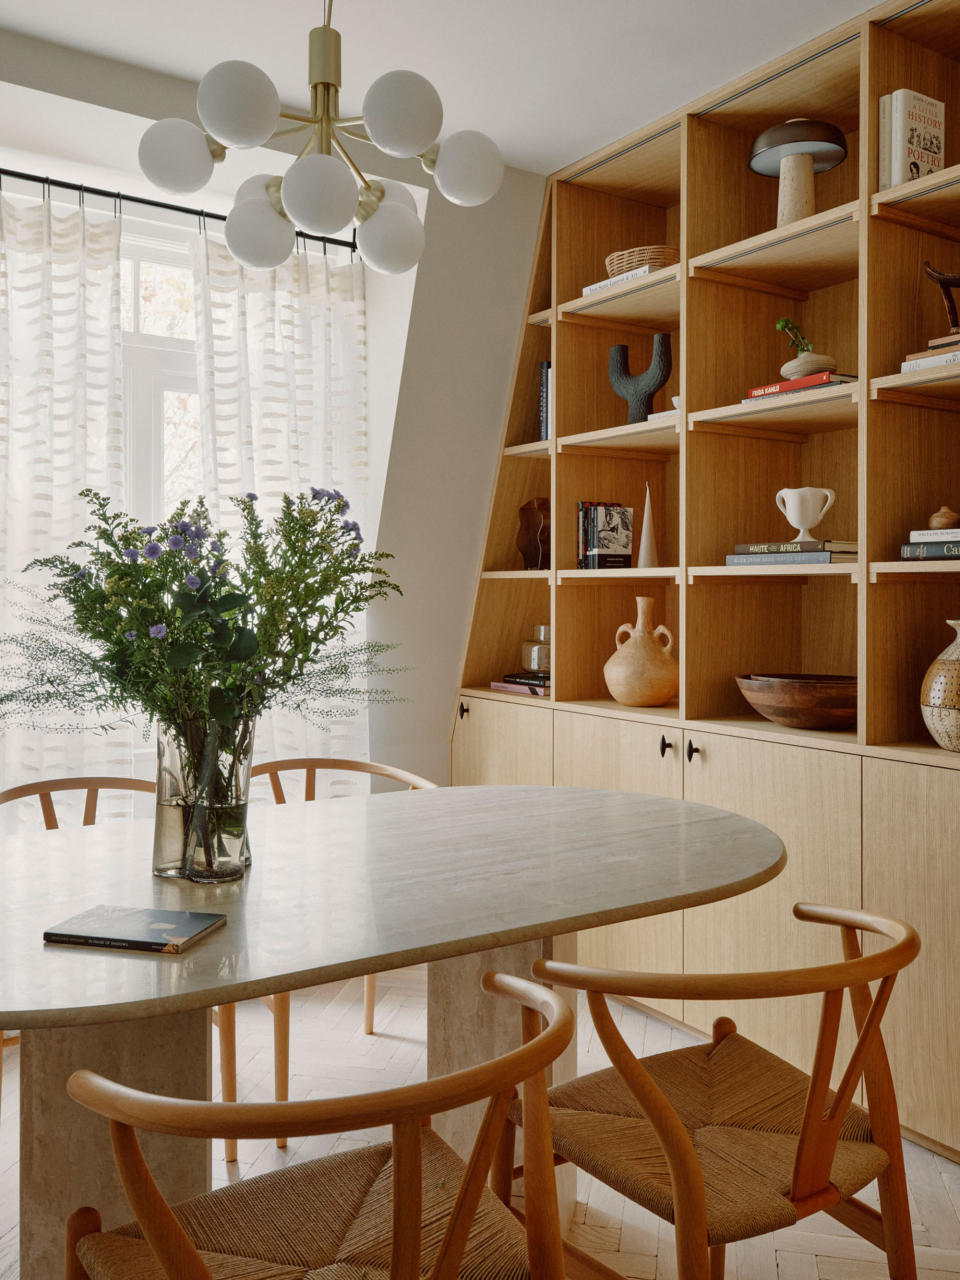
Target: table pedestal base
<point x="66" y="1157"/>
<point x="465" y="1026"/>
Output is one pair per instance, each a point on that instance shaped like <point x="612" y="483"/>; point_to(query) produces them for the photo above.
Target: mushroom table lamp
<point x="794" y="152"/>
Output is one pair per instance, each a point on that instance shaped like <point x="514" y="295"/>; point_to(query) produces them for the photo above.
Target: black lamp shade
<point x="824" y="142"/>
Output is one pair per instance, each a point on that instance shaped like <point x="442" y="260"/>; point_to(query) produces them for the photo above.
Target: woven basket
<point x="653" y="255"/>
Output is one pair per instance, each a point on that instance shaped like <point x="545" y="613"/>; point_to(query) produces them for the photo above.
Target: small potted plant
<point x="806" y="360"/>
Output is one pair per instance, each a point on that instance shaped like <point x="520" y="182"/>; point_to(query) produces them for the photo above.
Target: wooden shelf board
<point x="483" y="691"/>
<point x="829" y="408"/>
<point x="810" y="254"/>
<point x="847" y="569"/>
<point x="526" y="574"/>
<point x="544" y="317"/>
<point x="934" y="197"/>
<point x="532" y="449"/>
<point x="643" y="168"/>
<point x="941" y="383"/>
<point x="653" y="300"/>
<point x="605" y="575"/>
<point x="926" y="752"/>
<point x="662" y="436"/>
<point x="884" y="570"/>
<point x="757" y="727"/>
<point x="616" y="710"/>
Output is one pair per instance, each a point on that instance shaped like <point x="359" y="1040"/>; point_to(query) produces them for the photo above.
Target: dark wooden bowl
<point x="803" y="702"/>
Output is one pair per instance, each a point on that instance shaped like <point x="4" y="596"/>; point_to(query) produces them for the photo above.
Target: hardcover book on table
<point x="135" y="929"/>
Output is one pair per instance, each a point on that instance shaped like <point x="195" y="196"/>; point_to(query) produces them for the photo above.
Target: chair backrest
<point x="92" y="786"/>
<point x="823" y="1118"/>
<point x="406" y="1109"/>
<point x="310" y="764"/>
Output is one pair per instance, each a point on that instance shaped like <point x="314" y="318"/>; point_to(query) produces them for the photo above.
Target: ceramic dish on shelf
<point x="803" y="701"/>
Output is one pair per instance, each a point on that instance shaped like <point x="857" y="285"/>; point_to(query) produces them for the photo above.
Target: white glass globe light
<point x="391" y="240"/>
<point x="469" y="168"/>
<point x="319" y="193"/>
<point x="403" y="113"/>
<point x="174" y="155"/>
<point x="254" y="188"/>
<point x="258" y="236"/>
<point x="397" y="193"/>
<point x="238" y="103"/>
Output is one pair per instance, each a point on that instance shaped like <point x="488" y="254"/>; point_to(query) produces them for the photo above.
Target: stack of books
<point x="911" y="137"/>
<point x="536" y="683"/>
<point x="940" y="351"/>
<point x="932" y="544"/>
<point x="546" y="396"/>
<point x="797" y="384"/>
<point x="829" y="551"/>
<point x="604" y="535"/>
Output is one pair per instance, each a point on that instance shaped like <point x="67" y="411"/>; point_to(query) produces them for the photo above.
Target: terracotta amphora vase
<point x="643" y="671"/>
<point x="940" y="694"/>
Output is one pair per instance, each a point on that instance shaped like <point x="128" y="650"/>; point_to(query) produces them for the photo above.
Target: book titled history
<point x="135" y="929"/>
<point x="537" y="690"/>
<point x="798" y="384"/>
<point x="935" y="535"/>
<point x="930" y="551"/>
<point x="916" y="136"/>
<point x="793" y="548"/>
<point x="622" y="278"/>
<point x="794" y="557"/>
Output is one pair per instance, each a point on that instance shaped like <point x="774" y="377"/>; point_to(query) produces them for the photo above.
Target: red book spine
<point x="791" y="384"/>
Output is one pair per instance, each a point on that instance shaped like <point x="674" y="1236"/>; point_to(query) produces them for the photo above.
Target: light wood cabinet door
<point x="502" y="743"/>
<point x="910" y="815"/>
<point x="624" y="755"/>
<point x="811" y="799"/>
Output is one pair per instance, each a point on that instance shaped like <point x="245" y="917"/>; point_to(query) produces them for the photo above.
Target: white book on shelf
<point x="930" y="362"/>
<point x="622" y="278"/>
<point x="935" y="535"/>
<point x="916" y="136"/>
<point x="883" y="146"/>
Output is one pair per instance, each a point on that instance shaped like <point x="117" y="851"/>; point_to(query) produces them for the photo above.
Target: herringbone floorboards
<point x="331" y="1056"/>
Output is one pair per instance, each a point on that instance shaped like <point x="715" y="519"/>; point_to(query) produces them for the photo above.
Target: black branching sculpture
<point x="638" y="389"/>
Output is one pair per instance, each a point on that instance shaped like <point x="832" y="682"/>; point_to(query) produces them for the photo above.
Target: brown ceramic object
<point x="803" y="701"/>
<point x="533" y="537"/>
<point x="643" y="672"/>
<point x="940" y="695"/>
<point x="944" y="519"/>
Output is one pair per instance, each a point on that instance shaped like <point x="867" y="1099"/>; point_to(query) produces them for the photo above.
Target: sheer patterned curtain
<point x="61" y="428"/>
<point x="282" y="365"/>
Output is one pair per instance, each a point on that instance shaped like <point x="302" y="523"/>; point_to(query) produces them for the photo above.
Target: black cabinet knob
<point x="691" y="750"/>
<point x="463" y="711"/>
<point x="664" y="744"/>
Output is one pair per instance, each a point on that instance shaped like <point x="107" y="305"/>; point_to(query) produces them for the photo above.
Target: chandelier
<point x="323" y="190"/>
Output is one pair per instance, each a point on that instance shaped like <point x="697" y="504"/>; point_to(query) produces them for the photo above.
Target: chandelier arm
<point x="328" y="13"/>
<point x="292" y="115"/>
<point x="347" y="159"/>
<point x="310" y="143"/>
<point x="285" y="133"/>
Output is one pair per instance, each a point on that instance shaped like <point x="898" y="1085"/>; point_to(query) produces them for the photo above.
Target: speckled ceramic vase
<point x="940" y="695"/>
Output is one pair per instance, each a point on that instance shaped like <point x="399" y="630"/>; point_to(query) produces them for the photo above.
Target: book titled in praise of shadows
<point x="135" y="929"/>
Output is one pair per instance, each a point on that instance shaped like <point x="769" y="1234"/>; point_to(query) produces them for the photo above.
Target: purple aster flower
<point x="147" y="529"/>
<point x="190" y="551"/>
<point x="258" y="679"/>
<point x="198" y="533"/>
<point x="317" y="494"/>
<point x="192" y="581"/>
<point x="215" y="546"/>
<point x="345" y="505"/>
<point x="351" y="526"/>
<point x="174" y="542"/>
<point x="131" y="554"/>
<point x="158" y="632"/>
<point x="152" y="550"/>
<point x="129" y="635"/>
<point x="251" y="496"/>
<point x="183" y="526"/>
<point x="81" y="573"/>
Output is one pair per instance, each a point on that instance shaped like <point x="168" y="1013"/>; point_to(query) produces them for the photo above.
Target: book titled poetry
<point x="135" y="929"/>
<point x="916" y="135"/>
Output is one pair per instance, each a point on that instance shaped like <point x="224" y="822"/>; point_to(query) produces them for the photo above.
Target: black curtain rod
<point x="118" y="196"/>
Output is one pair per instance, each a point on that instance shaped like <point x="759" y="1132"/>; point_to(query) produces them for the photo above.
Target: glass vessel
<point x="203" y="783"/>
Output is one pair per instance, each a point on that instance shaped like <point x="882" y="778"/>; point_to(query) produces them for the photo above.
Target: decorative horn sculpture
<point x="947" y="284"/>
<point x="638" y="389"/>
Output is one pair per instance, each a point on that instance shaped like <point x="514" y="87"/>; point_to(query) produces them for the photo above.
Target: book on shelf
<point x="527" y="677"/>
<point x="935" y="535"/>
<point x="634" y="274"/>
<point x="793" y="557"/>
<point x="936" y="359"/>
<point x="794" y="548"/>
<point x="537" y="690"/>
<point x="586" y="536"/>
<point x="135" y="929"/>
<point x="545" y="388"/>
<point x="913" y="144"/>
<point x="606" y="533"/>
<point x="931" y="550"/>
<point x="935" y="349"/>
<point x="883" y="142"/>
<point x="787" y="385"/>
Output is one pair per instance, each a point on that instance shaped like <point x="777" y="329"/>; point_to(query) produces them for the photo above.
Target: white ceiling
<point x="550" y="80"/>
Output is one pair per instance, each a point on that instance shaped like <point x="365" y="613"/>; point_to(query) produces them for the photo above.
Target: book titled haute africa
<point x="135" y="929"/>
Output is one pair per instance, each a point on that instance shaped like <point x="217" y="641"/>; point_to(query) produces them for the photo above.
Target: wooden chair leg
<point x="281" y="1050"/>
<point x="369" y="1001"/>
<point x="501" y="1168"/>
<point x="81" y="1223"/>
<point x="718" y="1258"/>
<point x="895" y="1217"/>
<point x="227" y="1030"/>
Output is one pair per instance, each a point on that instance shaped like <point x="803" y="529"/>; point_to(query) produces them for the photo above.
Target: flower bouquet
<point x="171" y="622"/>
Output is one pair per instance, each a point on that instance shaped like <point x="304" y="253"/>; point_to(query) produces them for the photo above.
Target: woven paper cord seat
<point x="326" y="1219"/>
<point x="743" y="1108"/>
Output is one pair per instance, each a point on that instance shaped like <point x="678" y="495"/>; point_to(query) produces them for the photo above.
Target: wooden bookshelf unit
<point x="869" y="817"/>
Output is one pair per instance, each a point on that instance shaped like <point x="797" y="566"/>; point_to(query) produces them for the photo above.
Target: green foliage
<point x="794" y="336"/>
<point x="173" y="622"/>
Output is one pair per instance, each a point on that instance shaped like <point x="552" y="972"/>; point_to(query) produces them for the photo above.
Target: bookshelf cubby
<point x="850" y="276"/>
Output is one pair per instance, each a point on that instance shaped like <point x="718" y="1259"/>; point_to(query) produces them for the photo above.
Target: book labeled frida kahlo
<point x="135" y="929"/>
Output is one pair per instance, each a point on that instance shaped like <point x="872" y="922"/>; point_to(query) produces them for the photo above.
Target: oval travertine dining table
<point x="466" y="878"/>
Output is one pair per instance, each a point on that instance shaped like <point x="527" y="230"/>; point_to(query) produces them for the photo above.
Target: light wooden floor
<point x="331" y="1056"/>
